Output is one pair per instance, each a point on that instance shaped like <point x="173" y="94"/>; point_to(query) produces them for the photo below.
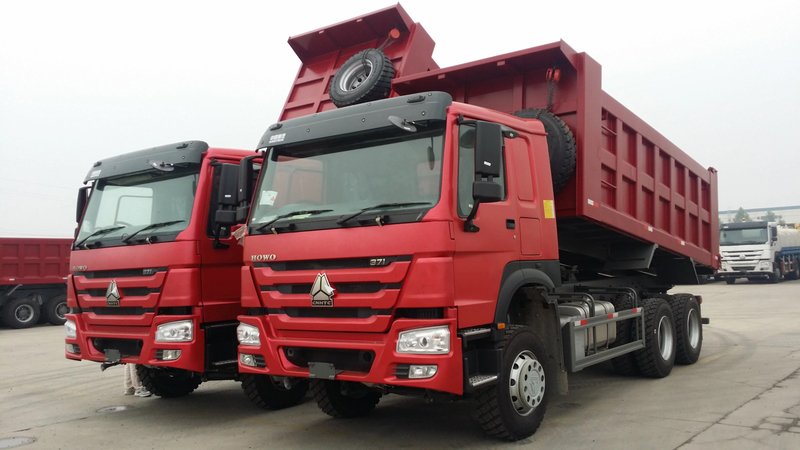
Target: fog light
<point x="73" y="348"/>
<point x="426" y="371"/>
<point x="170" y="355"/>
<point x="247" y="360"/>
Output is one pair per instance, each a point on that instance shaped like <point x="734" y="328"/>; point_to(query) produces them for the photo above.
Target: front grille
<point x="332" y="313"/>
<point x="132" y="292"/>
<point x="126" y="347"/>
<point x="341" y="288"/>
<point x="332" y="264"/>
<point x="121" y="311"/>
<point x="355" y="360"/>
<point x="175" y="311"/>
<point x="124" y="273"/>
<point x="420" y="313"/>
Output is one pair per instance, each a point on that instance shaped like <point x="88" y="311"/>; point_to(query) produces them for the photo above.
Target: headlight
<point x="433" y="340"/>
<point x="71" y="329"/>
<point x="180" y="331"/>
<point x="247" y="334"/>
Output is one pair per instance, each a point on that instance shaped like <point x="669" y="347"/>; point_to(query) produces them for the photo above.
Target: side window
<point x="466" y="169"/>
<point x="212" y="208"/>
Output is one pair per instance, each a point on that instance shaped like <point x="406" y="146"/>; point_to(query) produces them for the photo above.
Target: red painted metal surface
<point x="323" y="51"/>
<point x="34" y="261"/>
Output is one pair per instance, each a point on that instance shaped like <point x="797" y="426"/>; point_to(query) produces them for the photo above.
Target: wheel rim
<point x="693" y="327"/>
<point x="526" y="383"/>
<point x="24" y="313"/>
<point x="665" y="338"/>
<point x="277" y="382"/>
<point x="61" y="310"/>
<point x="355" y="76"/>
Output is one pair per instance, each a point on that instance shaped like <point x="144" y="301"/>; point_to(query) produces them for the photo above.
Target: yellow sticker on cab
<point x="549" y="209"/>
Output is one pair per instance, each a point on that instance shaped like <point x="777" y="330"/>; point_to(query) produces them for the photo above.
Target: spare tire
<point x="560" y="145"/>
<point x="365" y="77"/>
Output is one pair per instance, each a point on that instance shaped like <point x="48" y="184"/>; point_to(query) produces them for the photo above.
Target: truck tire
<point x="267" y="393"/>
<point x="730" y="280"/>
<point x="21" y="313"/>
<point x="625" y="364"/>
<point x="365" y="77"/>
<point x="795" y="274"/>
<point x="560" y="145"/>
<point x="688" y="328"/>
<point x="514" y="408"/>
<point x="168" y="383"/>
<point x="335" y="403"/>
<point x="657" y="358"/>
<point x="775" y="276"/>
<point x="55" y="310"/>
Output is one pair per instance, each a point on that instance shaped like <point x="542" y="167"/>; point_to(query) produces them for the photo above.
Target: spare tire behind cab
<point x="560" y="145"/>
<point x="365" y="77"/>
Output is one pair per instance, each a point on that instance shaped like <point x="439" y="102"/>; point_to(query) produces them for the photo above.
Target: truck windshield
<point x="393" y="172"/>
<point x="122" y="206"/>
<point x="743" y="236"/>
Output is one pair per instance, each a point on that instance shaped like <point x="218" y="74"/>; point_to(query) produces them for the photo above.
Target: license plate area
<point x="321" y="370"/>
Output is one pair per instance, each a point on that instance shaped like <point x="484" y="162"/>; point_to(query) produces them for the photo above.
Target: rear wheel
<point x="625" y="364"/>
<point x="688" y="328"/>
<point x="514" y="408"/>
<point x="657" y="358"/>
<point x="270" y="392"/>
<point x="343" y="399"/>
<point x="795" y="274"/>
<point x="55" y="310"/>
<point x="21" y="313"/>
<point x="168" y="383"/>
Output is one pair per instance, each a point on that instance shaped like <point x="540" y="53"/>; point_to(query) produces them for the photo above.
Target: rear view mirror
<point x="488" y="149"/>
<point x="227" y="201"/>
<point x="774" y="232"/>
<point x="83" y="196"/>
<point x="245" y="191"/>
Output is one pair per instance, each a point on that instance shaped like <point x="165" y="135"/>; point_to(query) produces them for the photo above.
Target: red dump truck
<point x="475" y="231"/>
<point x="155" y="273"/>
<point x="33" y="273"/>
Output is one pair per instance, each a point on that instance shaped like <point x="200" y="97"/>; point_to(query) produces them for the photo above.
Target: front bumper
<point x="381" y="370"/>
<point x="141" y="338"/>
<point x="741" y="269"/>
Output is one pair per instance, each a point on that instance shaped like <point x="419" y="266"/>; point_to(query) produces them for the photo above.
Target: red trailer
<point x="483" y="231"/>
<point x="33" y="275"/>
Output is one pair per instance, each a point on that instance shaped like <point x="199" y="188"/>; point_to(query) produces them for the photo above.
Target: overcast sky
<point x="81" y="81"/>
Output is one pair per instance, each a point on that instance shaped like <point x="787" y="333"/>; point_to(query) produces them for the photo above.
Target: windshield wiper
<point x="97" y="233"/>
<point x="293" y="213"/>
<point x="150" y="227"/>
<point x="345" y="219"/>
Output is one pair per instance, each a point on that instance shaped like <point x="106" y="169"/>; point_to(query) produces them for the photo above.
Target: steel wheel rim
<point x="665" y="337"/>
<point x="355" y="76"/>
<point x="526" y="383"/>
<point x="61" y="310"/>
<point x="693" y="328"/>
<point x="24" y="313"/>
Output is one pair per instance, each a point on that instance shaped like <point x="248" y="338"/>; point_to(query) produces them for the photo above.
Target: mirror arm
<point x="217" y="243"/>
<point x="470" y="227"/>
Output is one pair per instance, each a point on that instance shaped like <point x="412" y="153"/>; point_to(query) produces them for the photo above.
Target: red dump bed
<point x="629" y="178"/>
<point x="34" y="261"/>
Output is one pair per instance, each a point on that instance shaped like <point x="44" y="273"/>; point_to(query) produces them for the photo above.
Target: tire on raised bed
<point x="514" y="408"/>
<point x="168" y="383"/>
<point x="560" y="145"/>
<point x="365" y="77"/>
<point x="659" y="326"/>
<point x="330" y="399"/>
<point x="688" y="328"/>
<point x="55" y="309"/>
<point x="265" y="392"/>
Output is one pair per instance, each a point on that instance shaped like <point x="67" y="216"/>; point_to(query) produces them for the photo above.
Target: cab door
<point x="482" y="255"/>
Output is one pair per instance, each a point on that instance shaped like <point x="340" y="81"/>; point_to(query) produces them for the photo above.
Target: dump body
<point x="33" y="273"/>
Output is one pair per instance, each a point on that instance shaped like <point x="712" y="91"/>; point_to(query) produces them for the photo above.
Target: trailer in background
<point x="33" y="273"/>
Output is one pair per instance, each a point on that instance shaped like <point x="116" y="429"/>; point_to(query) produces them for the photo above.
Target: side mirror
<point x="83" y="197"/>
<point x="774" y="232"/>
<point x="488" y="161"/>
<point x="226" y="201"/>
<point x="245" y="191"/>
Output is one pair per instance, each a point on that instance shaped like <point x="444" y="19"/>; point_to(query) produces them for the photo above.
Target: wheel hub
<point x="24" y="313"/>
<point x="355" y="76"/>
<point x="693" y="327"/>
<point x="665" y="338"/>
<point x="61" y="310"/>
<point x="526" y="383"/>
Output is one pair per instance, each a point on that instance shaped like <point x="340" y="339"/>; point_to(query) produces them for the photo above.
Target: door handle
<point x="510" y="224"/>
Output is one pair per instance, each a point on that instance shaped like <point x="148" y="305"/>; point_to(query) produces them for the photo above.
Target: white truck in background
<point x="756" y="250"/>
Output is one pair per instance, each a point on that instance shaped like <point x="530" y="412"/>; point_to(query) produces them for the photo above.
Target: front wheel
<point x="514" y="408"/>
<point x="268" y="392"/>
<point x="730" y="280"/>
<point x="344" y="399"/>
<point x="168" y="383"/>
<point x="775" y="276"/>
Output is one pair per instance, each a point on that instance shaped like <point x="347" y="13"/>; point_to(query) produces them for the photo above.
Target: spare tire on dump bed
<point x="365" y="77"/>
<point x="560" y="145"/>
